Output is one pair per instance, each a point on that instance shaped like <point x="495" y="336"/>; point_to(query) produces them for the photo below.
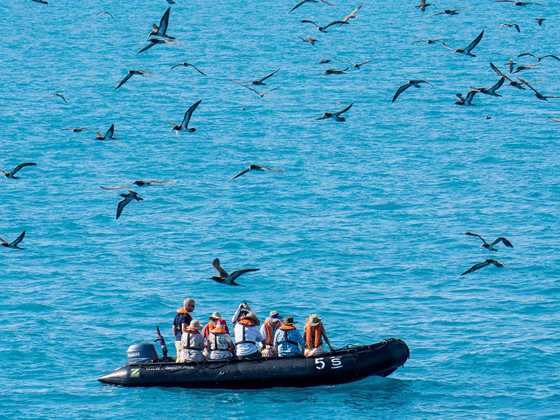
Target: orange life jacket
<point x="247" y="322"/>
<point x="182" y="311"/>
<point x="268" y="333"/>
<point x="313" y="335"/>
<point x="284" y="327"/>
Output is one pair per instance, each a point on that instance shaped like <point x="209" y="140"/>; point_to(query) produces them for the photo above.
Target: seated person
<point x="246" y="333"/>
<point x="288" y="340"/>
<point x="314" y="334"/>
<point x="268" y="329"/>
<point x="219" y="344"/>
<point x="192" y="343"/>
<point x="212" y="320"/>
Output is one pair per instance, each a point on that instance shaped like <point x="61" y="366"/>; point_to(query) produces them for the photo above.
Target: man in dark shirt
<point x="182" y="320"/>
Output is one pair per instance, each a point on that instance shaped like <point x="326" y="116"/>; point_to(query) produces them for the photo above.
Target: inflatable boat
<point x="349" y="364"/>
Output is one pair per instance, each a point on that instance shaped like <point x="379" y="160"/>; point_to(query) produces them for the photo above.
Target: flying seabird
<point x="353" y="14"/>
<point x="41" y="1"/>
<point x="12" y="174"/>
<point x="415" y="83"/>
<point x="517" y="3"/>
<point x="513" y="83"/>
<point x="152" y="42"/>
<point x="461" y="100"/>
<point x="492" y="91"/>
<point x="491" y="246"/>
<point x="325" y="61"/>
<point x="357" y="66"/>
<point x="324" y="28"/>
<point x="128" y="76"/>
<point x="469" y="48"/>
<point x="61" y="96"/>
<point x="108" y="135"/>
<point x="336" y="71"/>
<point x="512" y="25"/>
<point x="423" y="5"/>
<point x="188" y="65"/>
<point x="254" y="167"/>
<point x="127" y="198"/>
<point x="523" y="67"/>
<point x="138" y="183"/>
<point x="302" y="2"/>
<point x="106" y="13"/>
<point x="185" y="123"/>
<point x="75" y="129"/>
<point x="429" y="41"/>
<point x="537" y="93"/>
<point x="260" y="82"/>
<point x="480" y="265"/>
<point x="161" y="30"/>
<point x="226" y="278"/>
<point x="540" y="21"/>
<point x="337" y="116"/>
<point x="14" y="244"/>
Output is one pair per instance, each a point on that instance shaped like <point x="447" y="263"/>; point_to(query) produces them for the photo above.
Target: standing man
<point x="182" y="321"/>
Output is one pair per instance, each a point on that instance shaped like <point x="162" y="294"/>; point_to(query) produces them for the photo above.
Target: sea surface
<point x="364" y="225"/>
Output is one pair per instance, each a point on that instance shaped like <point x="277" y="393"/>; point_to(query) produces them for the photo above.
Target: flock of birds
<point x="159" y="36"/>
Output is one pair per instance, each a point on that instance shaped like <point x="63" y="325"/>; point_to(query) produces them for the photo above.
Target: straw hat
<point x="274" y="314"/>
<point x="194" y="325"/>
<point x="314" y="319"/>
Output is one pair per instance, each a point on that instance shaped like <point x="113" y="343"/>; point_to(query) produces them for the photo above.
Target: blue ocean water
<point x="365" y="224"/>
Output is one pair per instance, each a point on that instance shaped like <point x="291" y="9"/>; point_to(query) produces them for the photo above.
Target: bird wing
<point x="3" y="241"/>
<point x="475" y="235"/>
<point x="216" y="264"/>
<point x="22" y="165"/>
<point x="474" y="42"/>
<point x="197" y="69"/>
<point x="498" y="71"/>
<point x="549" y="56"/>
<point x="328" y="3"/>
<point x="301" y="3"/>
<point x="122" y="204"/>
<point x="504" y="240"/>
<point x="309" y="21"/>
<point x="352" y="14"/>
<point x="150" y="44"/>
<point x="124" y="80"/>
<point x="177" y="65"/>
<point x="61" y="96"/>
<point x="243" y="172"/>
<point x="470" y="96"/>
<point x="526" y="54"/>
<point x="475" y="267"/>
<point x="336" y="22"/>
<point x="400" y="90"/>
<point x="18" y="239"/>
<point x="495" y="262"/>
<point x="238" y="273"/>
<point x="164" y="21"/>
<point x="268" y="75"/>
<point x="110" y="132"/>
<point x="189" y="113"/>
<point x="526" y="83"/>
<point x="498" y="84"/>
<point x="344" y="110"/>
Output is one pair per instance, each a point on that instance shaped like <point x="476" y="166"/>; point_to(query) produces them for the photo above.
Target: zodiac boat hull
<point x="341" y="366"/>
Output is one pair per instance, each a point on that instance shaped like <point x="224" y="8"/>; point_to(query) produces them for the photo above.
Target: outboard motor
<point x="142" y="353"/>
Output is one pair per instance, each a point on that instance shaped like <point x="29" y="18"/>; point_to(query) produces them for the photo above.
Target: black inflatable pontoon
<point x="345" y="365"/>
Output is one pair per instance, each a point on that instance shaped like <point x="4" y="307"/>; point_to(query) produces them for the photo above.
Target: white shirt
<point x="251" y="334"/>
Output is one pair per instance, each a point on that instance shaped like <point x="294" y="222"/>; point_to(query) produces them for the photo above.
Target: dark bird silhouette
<point x="105" y="13"/>
<point x="415" y="83"/>
<point x="226" y="278"/>
<point x="429" y="41"/>
<point x="310" y="40"/>
<point x="492" y="91"/>
<point x="324" y="28"/>
<point x="76" y="129"/>
<point x="253" y="167"/>
<point x="152" y="42"/>
<point x="12" y="174"/>
<point x="540" y="21"/>
<point x="523" y="67"/>
<point x="337" y="116"/>
<point x="108" y="135"/>
<point x="353" y="14"/>
<point x="358" y="66"/>
<point x="480" y="265"/>
<point x="449" y="12"/>
<point x="467" y="101"/>
<point x="513" y="83"/>
<point x="260" y="82"/>
<point x="490" y="245"/>
<point x="302" y="2"/>
<point x="128" y="76"/>
<point x="468" y="49"/>
<point x="138" y="183"/>
<point x="188" y="65"/>
<point x="423" y="5"/>
<point x="336" y="71"/>
<point x="40" y="1"/>
<point x="14" y="244"/>
<point x="61" y="96"/>
<point x="161" y="30"/>
<point x="512" y="25"/>
<point x="127" y="198"/>
<point x="516" y="3"/>
<point x="537" y="93"/>
<point x="187" y="118"/>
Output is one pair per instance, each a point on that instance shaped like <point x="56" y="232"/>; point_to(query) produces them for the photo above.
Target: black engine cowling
<point x="142" y="353"/>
